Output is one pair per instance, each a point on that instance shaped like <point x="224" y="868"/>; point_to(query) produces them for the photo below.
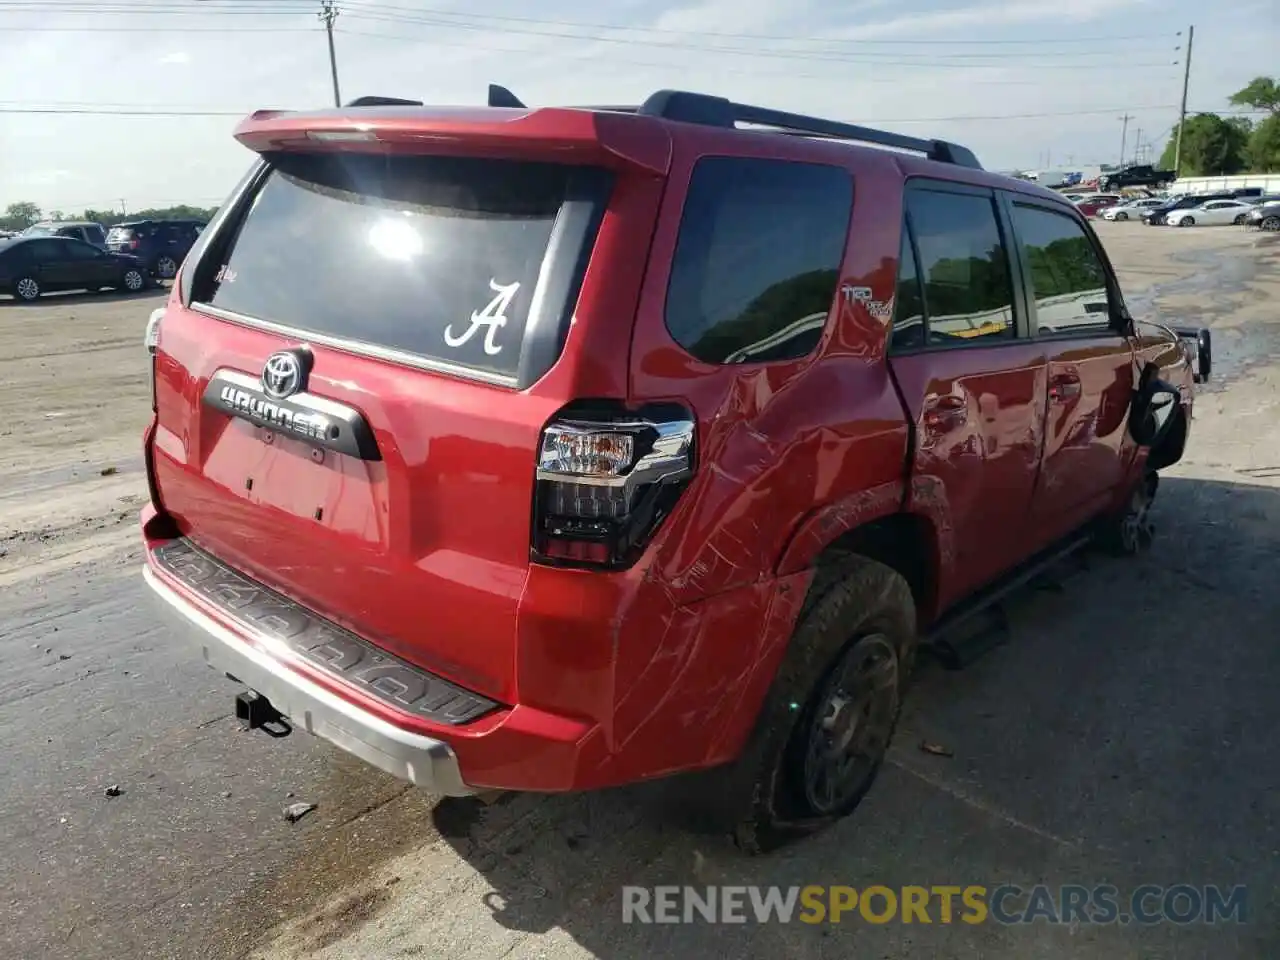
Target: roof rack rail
<point x="720" y="112"/>
<point x="715" y="111"/>
<point x="383" y="102"/>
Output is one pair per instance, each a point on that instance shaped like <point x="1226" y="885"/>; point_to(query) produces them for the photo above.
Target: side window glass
<point x="1068" y="281"/>
<point x="963" y="265"/>
<point x="757" y="259"/>
<point x="79" y="250"/>
<point x="908" y="307"/>
<point x="45" y="250"/>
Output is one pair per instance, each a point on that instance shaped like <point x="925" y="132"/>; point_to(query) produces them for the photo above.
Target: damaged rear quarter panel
<point x="776" y="444"/>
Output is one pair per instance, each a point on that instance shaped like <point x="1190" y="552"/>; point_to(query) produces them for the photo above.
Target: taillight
<point x="133" y="243"/>
<point x="151" y="339"/>
<point x="605" y="484"/>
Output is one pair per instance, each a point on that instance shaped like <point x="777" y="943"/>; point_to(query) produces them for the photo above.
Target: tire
<point x="26" y="289"/>
<point x="1121" y="216"/>
<point x="133" y="280"/>
<point x="165" y="267"/>
<point x="1240" y="219"/>
<point x="1187" y="222"/>
<point x="857" y="630"/>
<point x="1270" y="223"/>
<point x="1131" y="532"/>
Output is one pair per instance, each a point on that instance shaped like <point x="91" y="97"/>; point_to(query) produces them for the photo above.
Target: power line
<point x="387" y="13"/>
<point x="834" y="56"/>
<point x="355" y="5"/>
<point x="485" y="21"/>
<point x="669" y="65"/>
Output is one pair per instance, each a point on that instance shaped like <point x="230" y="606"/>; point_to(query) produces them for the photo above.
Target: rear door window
<point x="908" y="306"/>
<point x="433" y="257"/>
<point x="963" y="265"/>
<point x="46" y="251"/>
<point x="758" y="257"/>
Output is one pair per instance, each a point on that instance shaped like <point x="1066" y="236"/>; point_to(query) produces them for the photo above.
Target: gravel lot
<point x="1124" y="736"/>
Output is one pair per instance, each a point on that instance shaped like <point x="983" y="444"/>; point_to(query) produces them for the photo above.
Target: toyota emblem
<point x="282" y="375"/>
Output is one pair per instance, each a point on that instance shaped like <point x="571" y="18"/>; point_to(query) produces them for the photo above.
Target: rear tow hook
<point x="256" y="713"/>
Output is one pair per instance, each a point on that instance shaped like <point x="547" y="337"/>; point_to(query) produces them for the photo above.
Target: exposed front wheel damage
<point x="1132" y="531"/>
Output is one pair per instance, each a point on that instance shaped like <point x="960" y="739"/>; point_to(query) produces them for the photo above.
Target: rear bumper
<point x="420" y="759"/>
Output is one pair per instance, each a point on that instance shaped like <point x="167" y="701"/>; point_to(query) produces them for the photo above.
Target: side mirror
<point x="1199" y="344"/>
<point x="1152" y="413"/>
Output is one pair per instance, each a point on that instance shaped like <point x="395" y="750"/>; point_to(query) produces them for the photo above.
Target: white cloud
<point x="990" y="15"/>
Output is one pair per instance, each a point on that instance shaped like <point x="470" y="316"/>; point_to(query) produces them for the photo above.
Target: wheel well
<point x="904" y="542"/>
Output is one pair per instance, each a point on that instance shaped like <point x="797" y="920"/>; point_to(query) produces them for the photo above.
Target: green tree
<point x="19" y="216"/>
<point x="1262" y="93"/>
<point x="1211" y="146"/>
<point x="1263" y="149"/>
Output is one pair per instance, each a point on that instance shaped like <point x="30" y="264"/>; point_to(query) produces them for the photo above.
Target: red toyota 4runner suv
<point x="553" y="449"/>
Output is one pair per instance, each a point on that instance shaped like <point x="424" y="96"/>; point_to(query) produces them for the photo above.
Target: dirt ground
<point x="1126" y="735"/>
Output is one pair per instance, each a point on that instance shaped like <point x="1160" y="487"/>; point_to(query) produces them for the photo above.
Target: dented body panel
<point x="393" y="501"/>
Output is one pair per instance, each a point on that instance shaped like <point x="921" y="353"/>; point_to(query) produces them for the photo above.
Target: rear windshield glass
<point x="120" y="233"/>
<point x="433" y="256"/>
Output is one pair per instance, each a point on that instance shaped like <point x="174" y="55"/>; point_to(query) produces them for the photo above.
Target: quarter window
<point x="963" y="265"/>
<point x="757" y="259"/>
<point x="1068" y="281"/>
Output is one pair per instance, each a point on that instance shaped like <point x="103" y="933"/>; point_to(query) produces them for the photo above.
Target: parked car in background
<point x="1091" y="206"/>
<point x="86" y="230"/>
<point x="1136" y="175"/>
<point x="456" y="459"/>
<point x="1155" y="216"/>
<point x="1215" y="213"/>
<point x="1130" y="209"/>
<point x="31" y="266"/>
<point x="1266" y="216"/>
<point x="160" y="244"/>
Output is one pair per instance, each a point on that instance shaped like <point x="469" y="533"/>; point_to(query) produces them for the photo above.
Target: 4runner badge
<point x="492" y="317"/>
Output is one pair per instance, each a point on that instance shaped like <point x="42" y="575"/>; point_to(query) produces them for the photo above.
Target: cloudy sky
<point x="1023" y="82"/>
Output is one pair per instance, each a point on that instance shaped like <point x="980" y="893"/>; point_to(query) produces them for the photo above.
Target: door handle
<point x="1064" y="386"/>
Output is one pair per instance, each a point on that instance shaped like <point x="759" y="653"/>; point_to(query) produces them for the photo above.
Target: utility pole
<point x="123" y="210"/>
<point x="1124" y="135"/>
<point x="1137" y="147"/>
<point x="328" y="14"/>
<point x="1182" y="115"/>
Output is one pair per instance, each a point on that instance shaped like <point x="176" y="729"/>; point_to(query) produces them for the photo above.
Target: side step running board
<point x="979" y="625"/>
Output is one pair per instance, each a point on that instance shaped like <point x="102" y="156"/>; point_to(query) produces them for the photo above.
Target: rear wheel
<point x="1240" y="219"/>
<point x="825" y="727"/>
<point x="166" y="267"/>
<point x="1270" y="223"/>
<point x="26" y="289"/>
<point x="133" y="280"/>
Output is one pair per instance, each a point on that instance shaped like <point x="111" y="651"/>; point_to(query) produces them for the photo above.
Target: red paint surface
<point x="612" y="677"/>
